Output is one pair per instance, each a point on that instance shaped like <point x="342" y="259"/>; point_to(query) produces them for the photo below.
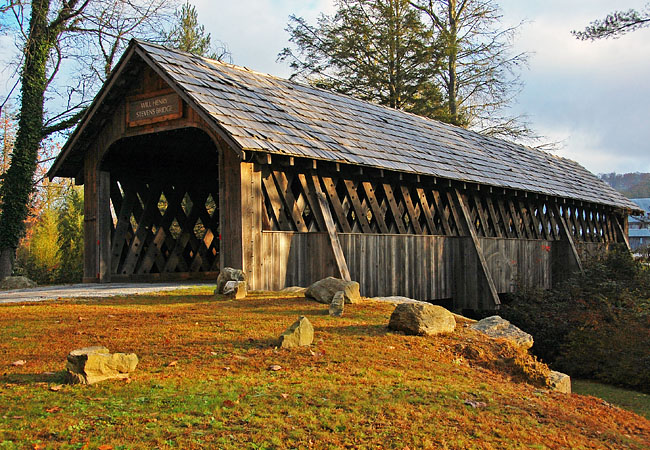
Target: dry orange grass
<point x="203" y="382"/>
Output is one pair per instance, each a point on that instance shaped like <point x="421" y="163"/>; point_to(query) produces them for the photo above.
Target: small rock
<point x="496" y="327"/>
<point x="9" y="283"/>
<point x="294" y="290"/>
<point x="421" y="319"/>
<point x="93" y="364"/>
<point x="228" y="274"/>
<point x="274" y="367"/>
<point x="300" y="333"/>
<point x="235" y="289"/>
<point x="323" y="291"/>
<point x="396" y="299"/>
<point x="20" y="362"/>
<point x="56" y="387"/>
<point x="560" y="382"/>
<point x="337" y="305"/>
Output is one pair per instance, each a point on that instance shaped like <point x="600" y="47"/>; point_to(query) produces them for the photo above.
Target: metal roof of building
<point x="644" y="203"/>
<point x="268" y="114"/>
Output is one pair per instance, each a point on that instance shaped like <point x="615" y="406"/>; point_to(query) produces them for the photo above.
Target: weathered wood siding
<point x="515" y="262"/>
<point x="421" y="267"/>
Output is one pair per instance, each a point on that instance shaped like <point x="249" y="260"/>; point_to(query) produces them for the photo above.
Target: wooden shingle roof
<point x="264" y="113"/>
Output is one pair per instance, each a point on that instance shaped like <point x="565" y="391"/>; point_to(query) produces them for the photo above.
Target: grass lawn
<point x="204" y="382"/>
<point x="632" y="400"/>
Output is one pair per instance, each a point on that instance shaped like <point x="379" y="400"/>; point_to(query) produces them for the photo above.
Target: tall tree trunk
<point x="452" y="48"/>
<point x="18" y="181"/>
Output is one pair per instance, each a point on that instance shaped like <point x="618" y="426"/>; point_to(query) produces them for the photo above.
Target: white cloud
<point x="255" y="29"/>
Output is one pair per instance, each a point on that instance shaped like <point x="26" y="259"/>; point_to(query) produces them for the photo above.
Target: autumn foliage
<point x="595" y="325"/>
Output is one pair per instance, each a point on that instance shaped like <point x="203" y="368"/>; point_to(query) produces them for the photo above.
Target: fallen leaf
<point x="275" y="367"/>
<point x="228" y="403"/>
<point x="127" y="380"/>
<point x="172" y="364"/>
<point x="53" y="409"/>
<point x="56" y="387"/>
<point x="38" y="446"/>
<point x="241" y="358"/>
<point x="105" y="447"/>
<point x="475" y="404"/>
<point x="311" y="352"/>
<point x="20" y="362"/>
<point x="48" y="374"/>
<point x="226" y="368"/>
<point x="81" y="318"/>
<point x="285" y="396"/>
<point x="214" y="353"/>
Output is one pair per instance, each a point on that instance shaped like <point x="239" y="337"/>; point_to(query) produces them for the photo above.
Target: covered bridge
<point x="190" y="165"/>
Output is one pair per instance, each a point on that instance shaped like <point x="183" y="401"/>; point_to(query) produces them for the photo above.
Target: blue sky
<point x="592" y="97"/>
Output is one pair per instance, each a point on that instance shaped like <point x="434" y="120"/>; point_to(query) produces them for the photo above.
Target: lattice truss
<point x="366" y="205"/>
<point x="163" y="228"/>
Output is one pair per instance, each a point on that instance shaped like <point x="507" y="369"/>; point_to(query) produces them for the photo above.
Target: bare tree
<point x="55" y="36"/>
<point x="480" y="78"/>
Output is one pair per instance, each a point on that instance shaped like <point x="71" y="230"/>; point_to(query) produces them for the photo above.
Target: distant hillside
<point x="631" y="185"/>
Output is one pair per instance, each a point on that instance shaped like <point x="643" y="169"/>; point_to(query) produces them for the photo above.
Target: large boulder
<point x="300" y="333"/>
<point x="323" y="291"/>
<point x="498" y="328"/>
<point x="560" y="382"/>
<point x="9" y="283"/>
<point x="293" y="290"/>
<point x="337" y="305"/>
<point x="90" y="365"/>
<point x="235" y="289"/>
<point x="228" y="274"/>
<point x="421" y="319"/>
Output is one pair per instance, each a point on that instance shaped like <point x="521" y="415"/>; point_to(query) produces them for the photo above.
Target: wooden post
<point x="334" y="238"/>
<point x="230" y="209"/>
<point x="104" y="226"/>
<point x="91" y="273"/>
<point x="465" y="218"/>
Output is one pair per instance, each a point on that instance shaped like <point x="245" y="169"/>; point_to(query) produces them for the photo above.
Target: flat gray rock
<point x="10" y="283"/>
<point x="235" y="289"/>
<point x="499" y="328"/>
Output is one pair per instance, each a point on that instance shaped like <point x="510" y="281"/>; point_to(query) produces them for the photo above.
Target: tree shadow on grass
<point x="357" y="330"/>
<point x="33" y="378"/>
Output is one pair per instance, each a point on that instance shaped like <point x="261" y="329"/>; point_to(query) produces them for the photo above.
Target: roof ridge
<point x="356" y="99"/>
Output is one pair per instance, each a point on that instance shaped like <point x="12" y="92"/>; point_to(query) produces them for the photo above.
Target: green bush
<point x="595" y="325"/>
<point x="53" y="251"/>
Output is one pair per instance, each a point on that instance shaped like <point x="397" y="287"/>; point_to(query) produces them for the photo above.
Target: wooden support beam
<point x="564" y="232"/>
<point x="334" y="237"/>
<point x="465" y="217"/>
<point x="621" y="232"/>
<point x="377" y="212"/>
